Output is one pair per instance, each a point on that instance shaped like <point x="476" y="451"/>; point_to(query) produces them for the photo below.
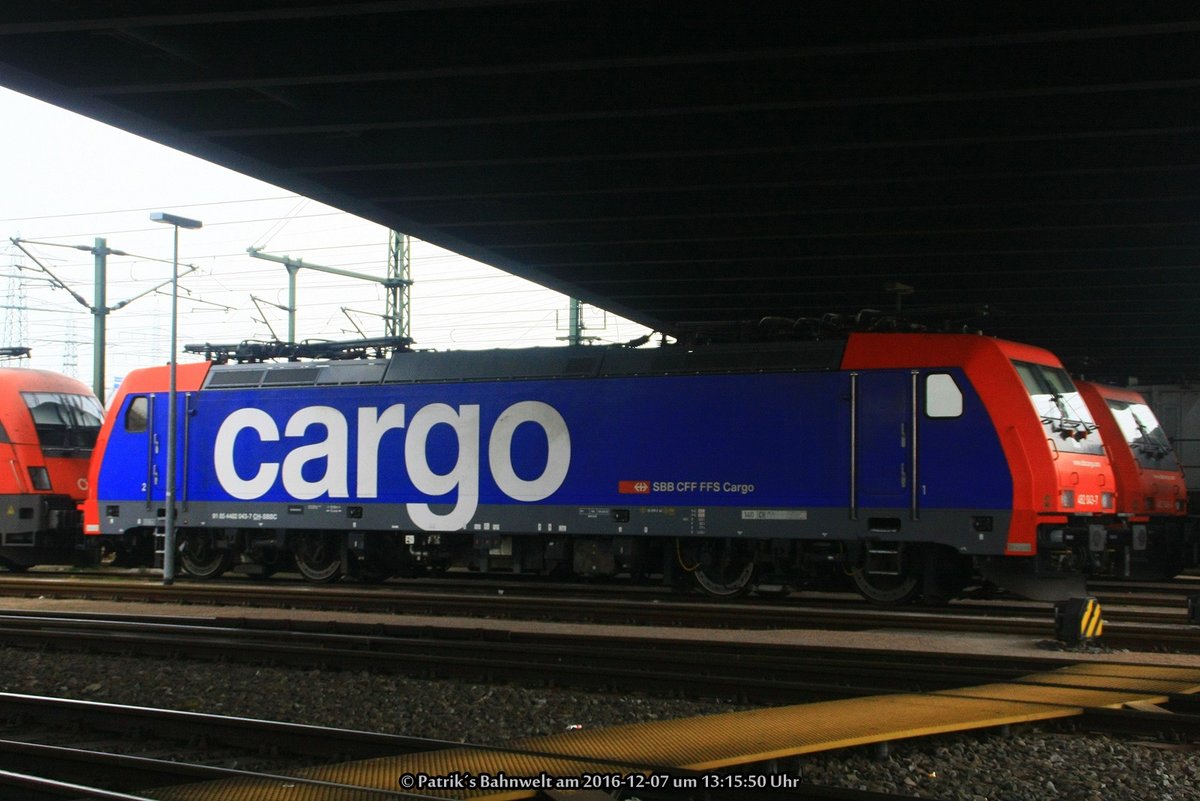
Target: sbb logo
<point x="633" y="487"/>
<point x="333" y="455"/>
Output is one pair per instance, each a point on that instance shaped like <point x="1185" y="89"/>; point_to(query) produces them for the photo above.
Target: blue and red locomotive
<point x="907" y="464"/>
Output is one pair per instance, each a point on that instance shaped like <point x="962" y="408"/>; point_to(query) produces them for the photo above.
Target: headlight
<point x="1067" y="499"/>
<point x="1106" y="500"/>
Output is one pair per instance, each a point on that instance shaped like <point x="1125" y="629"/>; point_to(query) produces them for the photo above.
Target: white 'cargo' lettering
<point x="370" y="430"/>
<point x="235" y="485"/>
<point x="462" y="479"/>
<point x="558" y="456"/>
<point x="332" y="449"/>
<point x="464" y="475"/>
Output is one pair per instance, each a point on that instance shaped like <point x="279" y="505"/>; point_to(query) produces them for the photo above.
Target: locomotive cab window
<point x="137" y="415"/>
<point x="66" y="424"/>
<point x="1063" y="413"/>
<point x="1145" y="436"/>
<point x="943" y="398"/>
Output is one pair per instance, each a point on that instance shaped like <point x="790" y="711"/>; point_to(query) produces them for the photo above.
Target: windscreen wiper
<point x="1064" y="425"/>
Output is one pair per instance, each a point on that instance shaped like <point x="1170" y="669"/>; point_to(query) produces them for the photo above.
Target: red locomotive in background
<point x="1152" y="497"/>
<point x="48" y="429"/>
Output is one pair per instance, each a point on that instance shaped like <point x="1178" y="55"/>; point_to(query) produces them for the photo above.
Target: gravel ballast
<point x="1030" y="765"/>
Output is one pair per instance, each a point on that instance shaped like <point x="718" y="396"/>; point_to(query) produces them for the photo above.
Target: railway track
<point x="1127" y="626"/>
<point x="1173" y="590"/>
<point x="108" y="751"/>
<point x="752" y="672"/>
<point x="46" y="743"/>
<point x="771" y="673"/>
<point x="466" y="581"/>
<point x="120" y="769"/>
<point x="469" y="581"/>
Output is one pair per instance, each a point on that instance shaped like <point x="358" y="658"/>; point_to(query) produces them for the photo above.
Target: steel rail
<point x="292" y="738"/>
<point x="256" y="734"/>
<point x="774" y="673"/>
<point x="1174" y="633"/>
<point x="457" y="592"/>
<point x="138" y="772"/>
<point x="142" y="771"/>
<point x="42" y="787"/>
<point x="577" y="603"/>
<point x="127" y="772"/>
<point x="1182" y="585"/>
<point x="1165" y="724"/>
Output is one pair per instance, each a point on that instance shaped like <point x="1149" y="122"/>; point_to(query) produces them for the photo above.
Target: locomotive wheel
<point x="318" y="557"/>
<point x="200" y="558"/>
<point x="725" y="569"/>
<point x="890" y="590"/>
<point x="112" y="555"/>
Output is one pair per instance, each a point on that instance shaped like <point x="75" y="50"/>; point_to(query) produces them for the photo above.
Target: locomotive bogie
<point x="40" y="529"/>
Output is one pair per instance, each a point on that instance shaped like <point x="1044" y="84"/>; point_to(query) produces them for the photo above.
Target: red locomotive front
<point x="48" y="429"/>
<point x="1152" y="539"/>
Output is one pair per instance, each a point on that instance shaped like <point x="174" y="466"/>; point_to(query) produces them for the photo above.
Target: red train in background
<point x="1152" y="496"/>
<point x="48" y="429"/>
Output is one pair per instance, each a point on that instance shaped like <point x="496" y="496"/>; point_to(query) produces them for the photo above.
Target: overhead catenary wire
<point x="280" y="224"/>
<point x="454" y="309"/>
<point x="102" y="212"/>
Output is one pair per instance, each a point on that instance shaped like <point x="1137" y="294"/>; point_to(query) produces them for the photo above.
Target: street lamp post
<point x="169" y="494"/>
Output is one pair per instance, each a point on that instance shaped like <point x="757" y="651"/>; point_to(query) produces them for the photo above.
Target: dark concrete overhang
<point x="701" y="166"/>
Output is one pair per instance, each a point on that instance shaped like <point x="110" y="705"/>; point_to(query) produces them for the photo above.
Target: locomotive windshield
<point x="1144" y="434"/>
<point x="1068" y="422"/>
<point x="66" y="424"/>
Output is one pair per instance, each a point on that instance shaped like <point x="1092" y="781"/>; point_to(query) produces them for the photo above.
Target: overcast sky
<point x="68" y="180"/>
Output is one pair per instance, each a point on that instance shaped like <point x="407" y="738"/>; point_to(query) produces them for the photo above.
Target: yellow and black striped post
<point x="1077" y="620"/>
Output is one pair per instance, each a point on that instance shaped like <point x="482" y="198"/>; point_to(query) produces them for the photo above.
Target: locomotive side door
<point x="883" y="443"/>
<point x="156" y="449"/>
<point x="133" y="463"/>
